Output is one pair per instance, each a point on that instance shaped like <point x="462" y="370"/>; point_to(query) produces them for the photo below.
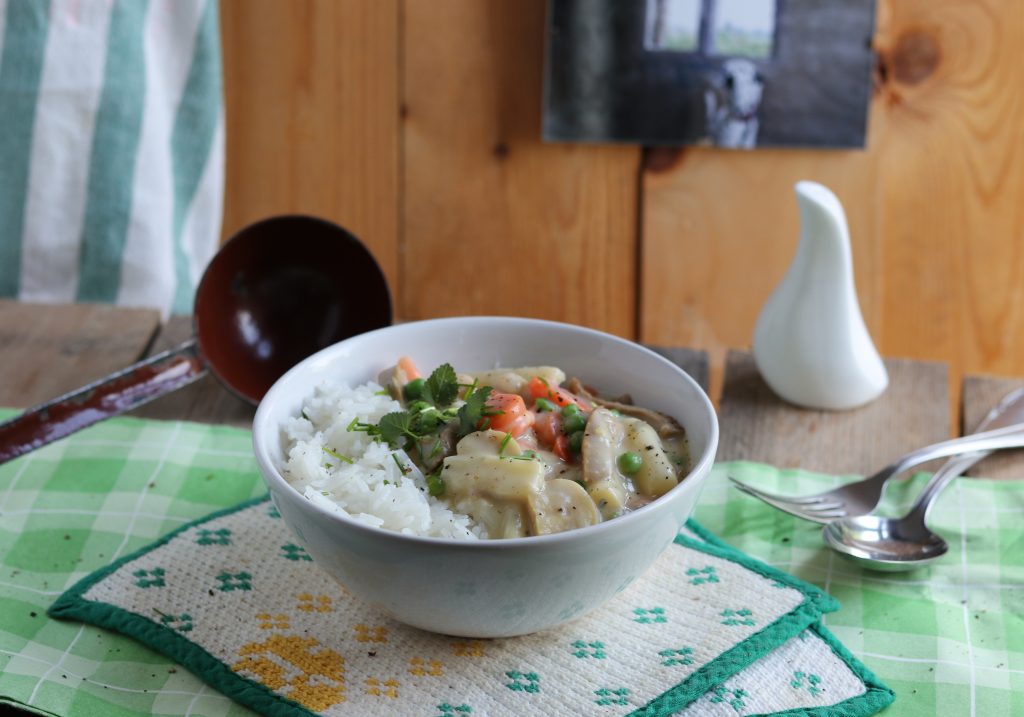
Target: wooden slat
<point x="205" y="401"/>
<point x="758" y="426"/>
<point x="311" y="95"/>
<point x="692" y="361"/>
<point x="934" y="204"/>
<point x="980" y="393"/>
<point x="50" y="350"/>
<point x="495" y="221"/>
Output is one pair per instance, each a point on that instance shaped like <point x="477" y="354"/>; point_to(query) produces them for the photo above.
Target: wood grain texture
<point x="50" y="350"/>
<point x="934" y="204"/>
<point x="980" y="394"/>
<point x="758" y="426"/>
<point x="311" y="95"/>
<point x="495" y="221"/>
<point x="206" y="400"/>
<point x="692" y="361"/>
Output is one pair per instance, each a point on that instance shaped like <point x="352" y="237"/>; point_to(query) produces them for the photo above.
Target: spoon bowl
<point x="277" y="292"/>
<point x="886" y="544"/>
<point x="280" y="290"/>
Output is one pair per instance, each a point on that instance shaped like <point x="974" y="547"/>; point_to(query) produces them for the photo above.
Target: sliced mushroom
<point x="515" y="380"/>
<point x="602" y="441"/>
<point x="657" y="475"/>
<point x="434" y="449"/>
<point x="562" y="505"/>
<point x="666" y="426"/>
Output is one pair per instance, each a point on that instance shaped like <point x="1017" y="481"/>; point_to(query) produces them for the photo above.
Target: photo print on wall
<point x="727" y="73"/>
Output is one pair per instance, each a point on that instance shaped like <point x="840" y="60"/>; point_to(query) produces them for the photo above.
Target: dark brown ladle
<point x="276" y="292"/>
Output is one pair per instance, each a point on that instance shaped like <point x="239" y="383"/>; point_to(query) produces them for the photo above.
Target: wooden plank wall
<point x="416" y="124"/>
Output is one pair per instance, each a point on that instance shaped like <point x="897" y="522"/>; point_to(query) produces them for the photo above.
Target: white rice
<point x="372" y="489"/>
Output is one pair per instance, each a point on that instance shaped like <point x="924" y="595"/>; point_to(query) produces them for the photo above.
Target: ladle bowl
<point x="278" y="291"/>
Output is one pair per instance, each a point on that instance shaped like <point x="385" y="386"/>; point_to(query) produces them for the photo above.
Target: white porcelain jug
<point x="810" y="342"/>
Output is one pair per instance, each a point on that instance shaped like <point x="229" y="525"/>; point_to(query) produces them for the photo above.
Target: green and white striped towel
<point x="111" y="150"/>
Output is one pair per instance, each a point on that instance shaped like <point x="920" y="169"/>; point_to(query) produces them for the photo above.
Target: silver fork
<point x="1006" y="430"/>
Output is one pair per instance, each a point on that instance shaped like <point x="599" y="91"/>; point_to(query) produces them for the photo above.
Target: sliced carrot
<point x="406" y="365"/>
<point x="561" y="448"/>
<point x="548" y="426"/>
<point x="539" y="388"/>
<point x="507" y="412"/>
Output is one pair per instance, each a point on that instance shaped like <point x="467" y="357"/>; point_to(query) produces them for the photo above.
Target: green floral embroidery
<point x="235" y="581"/>
<point x="150" y="578"/>
<point x="607" y="696"/>
<point x="523" y="681"/>
<point x="779" y="584"/>
<point x="221" y="536"/>
<point x="812" y="682"/>
<point x="738" y="617"/>
<point x="272" y="511"/>
<point x="733" y="698"/>
<point x="589" y="649"/>
<point x="682" y="656"/>
<point x="704" y="575"/>
<point x="181" y="623"/>
<point x="448" y="710"/>
<point x="645" y="616"/>
<point x="294" y="552"/>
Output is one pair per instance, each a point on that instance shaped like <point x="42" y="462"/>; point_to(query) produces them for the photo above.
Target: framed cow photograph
<point x="729" y="73"/>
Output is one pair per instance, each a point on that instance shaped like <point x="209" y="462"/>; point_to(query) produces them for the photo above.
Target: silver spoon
<point x="897" y="544"/>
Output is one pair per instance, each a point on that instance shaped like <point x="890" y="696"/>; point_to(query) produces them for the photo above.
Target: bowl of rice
<point x="370" y="522"/>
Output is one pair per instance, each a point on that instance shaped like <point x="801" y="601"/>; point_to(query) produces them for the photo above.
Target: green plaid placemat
<point x="61" y="519"/>
<point x="949" y="639"/>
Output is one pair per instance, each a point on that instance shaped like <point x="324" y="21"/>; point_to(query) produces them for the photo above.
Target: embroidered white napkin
<point x="706" y="631"/>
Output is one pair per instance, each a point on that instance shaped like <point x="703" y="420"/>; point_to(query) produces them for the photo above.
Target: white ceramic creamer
<point x="810" y="342"/>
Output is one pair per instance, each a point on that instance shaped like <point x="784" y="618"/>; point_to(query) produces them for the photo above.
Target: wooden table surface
<point x="48" y="350"/>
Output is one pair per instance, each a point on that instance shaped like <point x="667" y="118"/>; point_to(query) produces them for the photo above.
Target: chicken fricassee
<point x="525" y="452"/>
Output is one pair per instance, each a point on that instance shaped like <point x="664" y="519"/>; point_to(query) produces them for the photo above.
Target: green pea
<point x="576" y="442"/>
<point x="435" y="485"/>
<point x="543" y="404"/>
<point x="630" y="462"/>
<point x="414" y="389"/>
<point x="574" y="422"/>
<point x="570" y="409"/>
<point x="419" y="406"/>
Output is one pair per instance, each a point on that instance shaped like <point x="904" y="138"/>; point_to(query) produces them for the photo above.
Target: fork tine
<point x="797" y="511"/>
<point x="821" y="500"/>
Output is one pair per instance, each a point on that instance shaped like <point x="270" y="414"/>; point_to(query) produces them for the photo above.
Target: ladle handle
<point x="117" y="393"/>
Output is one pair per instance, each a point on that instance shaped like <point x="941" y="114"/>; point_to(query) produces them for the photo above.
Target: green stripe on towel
<point x="195" y="125"/>
<point x="114" y="148"/>
<point x="21" y="66"/>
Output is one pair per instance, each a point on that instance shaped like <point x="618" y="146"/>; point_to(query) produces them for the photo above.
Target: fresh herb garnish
<point x="337" y="455"/>
<point x="436" y="448"/>
<point x="396" y="429"/>
<point x="435" y="485"/>
<point x="472" y="411"/>
<point x="306" y="415"/>
<point x="382" y="392"/>
<point x="368" y="428"/>
<point x="442" y="387"/>
<point x="504" y="443"/>
<point x="404" y="469"/>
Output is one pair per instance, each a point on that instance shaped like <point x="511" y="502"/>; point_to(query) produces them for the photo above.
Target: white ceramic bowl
<point x="490" y="588"/>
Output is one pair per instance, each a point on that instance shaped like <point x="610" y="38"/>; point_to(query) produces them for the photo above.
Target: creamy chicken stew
<point x="525" y="452"/>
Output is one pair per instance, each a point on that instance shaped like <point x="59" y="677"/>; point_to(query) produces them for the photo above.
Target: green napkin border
<point x="72" y="605"/>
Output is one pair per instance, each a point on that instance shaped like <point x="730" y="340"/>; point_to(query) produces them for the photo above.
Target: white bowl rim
<point x="272" y="474"/>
